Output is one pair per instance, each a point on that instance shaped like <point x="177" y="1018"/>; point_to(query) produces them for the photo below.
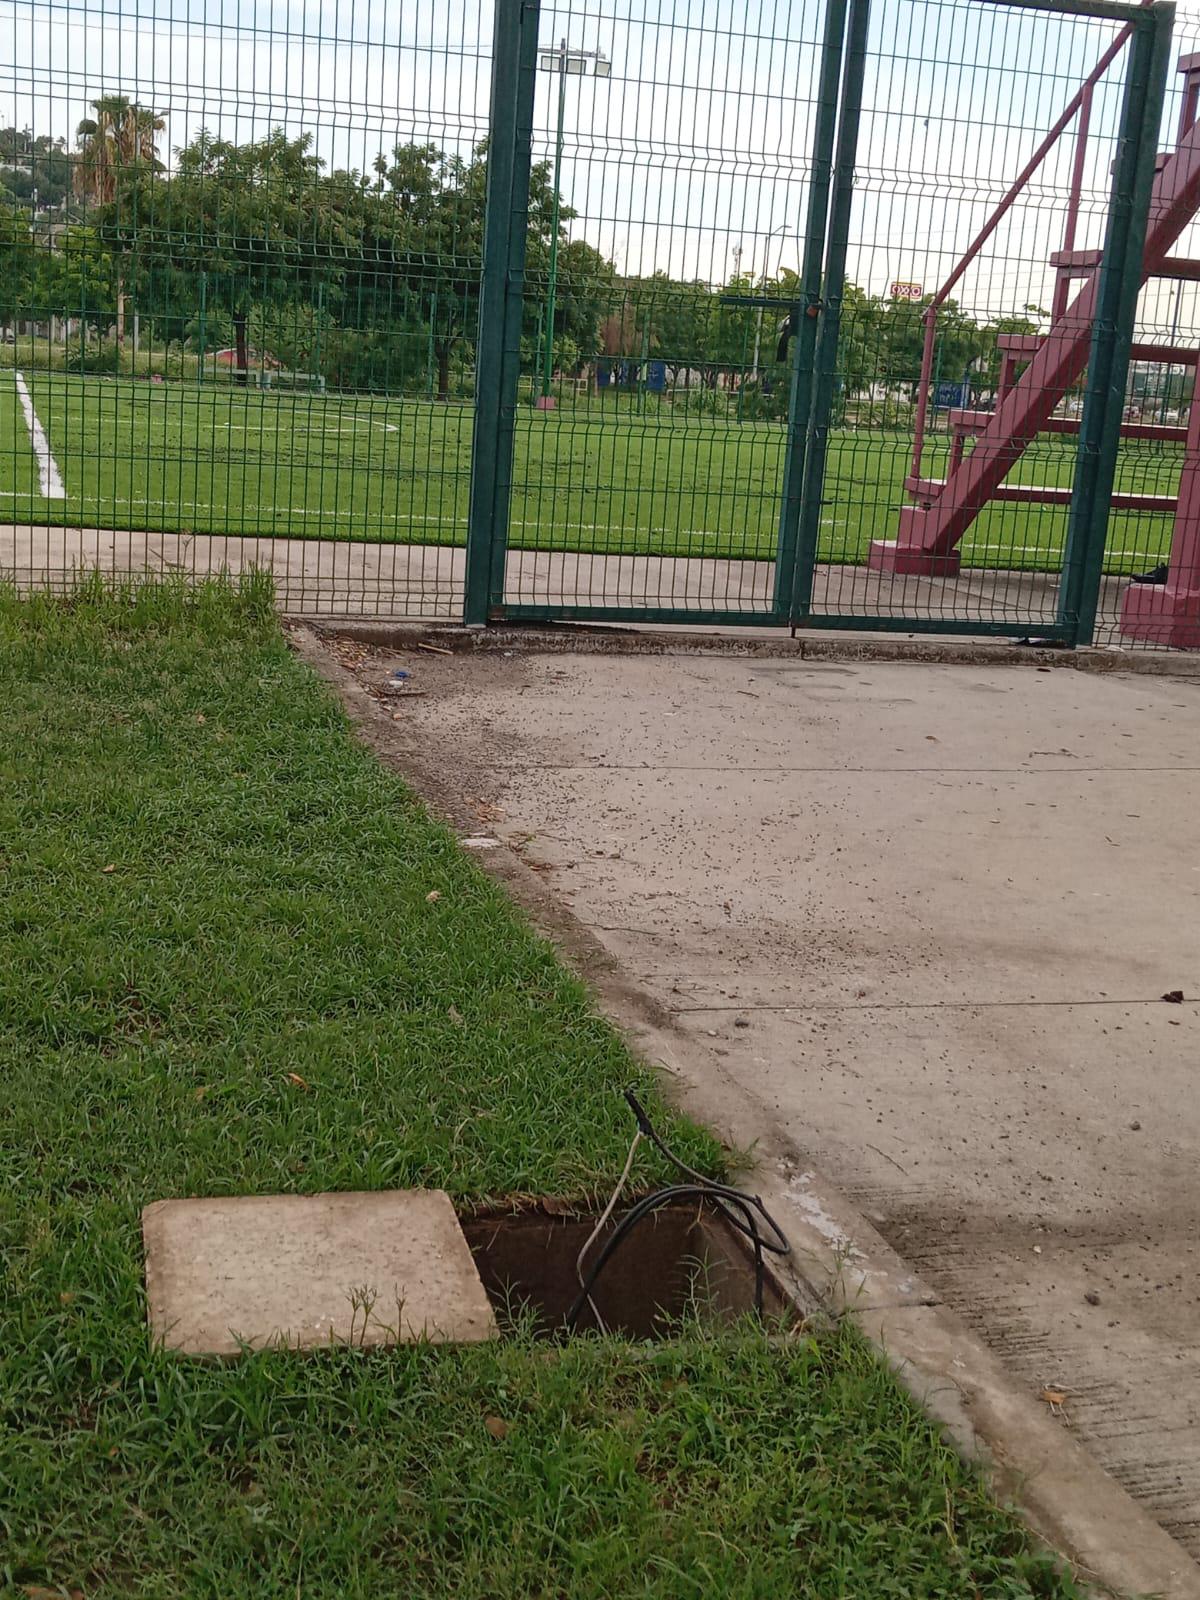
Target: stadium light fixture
<point x="568" y="63"/>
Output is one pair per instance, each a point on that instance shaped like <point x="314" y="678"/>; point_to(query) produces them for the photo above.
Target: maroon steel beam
<point x="1062" y="289"/>
<point x="1027" y="344"/>
<point x="1082" y="263"/>
<point x="990" y="226"/>
<point x="1169" y="613"/>
<point x="1048" y="495"/>
<point x="971" y="423"/>
<point x="927" y="537"/>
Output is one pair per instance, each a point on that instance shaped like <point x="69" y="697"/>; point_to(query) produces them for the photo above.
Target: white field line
<point x="48" y="474"/>
<point x="280" y="427"/>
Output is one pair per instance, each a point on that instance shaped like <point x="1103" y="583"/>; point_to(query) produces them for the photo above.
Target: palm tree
<point x="121" y="135"/>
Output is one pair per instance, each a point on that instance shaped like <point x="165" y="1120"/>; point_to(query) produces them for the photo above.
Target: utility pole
<point x="564" y="61"/>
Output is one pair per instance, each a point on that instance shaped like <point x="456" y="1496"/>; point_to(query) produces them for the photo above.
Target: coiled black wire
<point x="742" y="1211"/>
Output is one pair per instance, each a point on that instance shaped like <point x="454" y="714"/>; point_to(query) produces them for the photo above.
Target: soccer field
<point x="174" y="458"/>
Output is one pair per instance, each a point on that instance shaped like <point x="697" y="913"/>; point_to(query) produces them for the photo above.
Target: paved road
<point x="927" y="913"/>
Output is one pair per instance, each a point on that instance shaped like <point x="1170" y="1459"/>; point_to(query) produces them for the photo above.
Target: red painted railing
<point x="1079" y="104"/>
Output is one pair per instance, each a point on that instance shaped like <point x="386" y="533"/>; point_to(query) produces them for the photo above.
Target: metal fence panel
<point x="648" y="469"/>
<point x="956" y="432"/>
<point x="994" y="78"/>
<point x="241" y="321"/>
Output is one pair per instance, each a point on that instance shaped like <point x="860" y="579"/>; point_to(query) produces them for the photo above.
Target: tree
<point x="989" y="365"/>
<point x="584" y="291"/>
<point x="114" y="146"/>
<point x="675" y="314"/>
<point x="75" y="278"/>
<point x="432" y="250"/>
<point x="256" y="221"/>
<point x="17" y="253"/>
<point x="366" y="275"/>
<point x="901" y="342"/>
<point x="438" y="204"/>
<point x="731" y="328"/>
<point x="859" y="341"/>
<point x="35" y="170"/>
<point x="120" y="136"/>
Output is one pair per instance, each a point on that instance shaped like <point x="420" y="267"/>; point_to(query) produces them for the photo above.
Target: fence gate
<point x="866" y="286"/>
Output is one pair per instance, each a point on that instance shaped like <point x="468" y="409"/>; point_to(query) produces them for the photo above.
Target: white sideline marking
<point x="278" y="427"/>
<point x="48" y="474"/>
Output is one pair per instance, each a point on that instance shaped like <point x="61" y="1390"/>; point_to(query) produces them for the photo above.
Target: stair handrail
<point x="1082" y="98"/>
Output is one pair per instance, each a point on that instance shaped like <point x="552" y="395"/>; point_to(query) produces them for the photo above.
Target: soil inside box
<point x="683" y="1258"/>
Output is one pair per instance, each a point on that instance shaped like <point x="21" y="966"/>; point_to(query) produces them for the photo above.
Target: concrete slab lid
<point x="310" y="1270"/>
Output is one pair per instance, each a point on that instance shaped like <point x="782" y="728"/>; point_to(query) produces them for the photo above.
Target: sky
<point x="692" y="157"/>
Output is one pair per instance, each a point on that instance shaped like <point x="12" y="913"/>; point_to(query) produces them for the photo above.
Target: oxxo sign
<point x="907" y="291"/>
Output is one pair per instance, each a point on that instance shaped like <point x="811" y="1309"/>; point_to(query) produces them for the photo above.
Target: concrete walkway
<point x="927" y="913"/>
<point x="330" y="577"/>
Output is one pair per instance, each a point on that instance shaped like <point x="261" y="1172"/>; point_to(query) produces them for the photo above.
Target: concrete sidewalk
<point x="340" y="578"/>
<point x="927" y="913"/>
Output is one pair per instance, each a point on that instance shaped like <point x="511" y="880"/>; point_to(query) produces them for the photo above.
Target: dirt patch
<point x="682" y="1260"/>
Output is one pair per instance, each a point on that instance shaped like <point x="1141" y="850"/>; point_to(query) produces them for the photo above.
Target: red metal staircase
<point x="930" y="530"/>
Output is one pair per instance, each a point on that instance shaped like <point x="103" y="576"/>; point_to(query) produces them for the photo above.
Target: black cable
<point x="651" y="1203"/>
<point x="729" y="1201"/>
<point x="650" y="1132"/>
<point x="643" y="1208"/>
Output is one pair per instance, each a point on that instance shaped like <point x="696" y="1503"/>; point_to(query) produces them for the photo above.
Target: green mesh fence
<point x="249" y="241"/>
<point x="244" y="270"/>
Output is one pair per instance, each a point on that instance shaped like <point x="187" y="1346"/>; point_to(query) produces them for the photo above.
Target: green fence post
<point x="643" y="369"/>
<point x="495" y="390"/>
<point x="514" y="304"/>
<point x="430" y="355"/>
<point x="1116" y="314"/>
<point x="809" y="304"/>
<point x="830" y="321"/>
<point x="203" y="320"/>
<point x="318" y="342"/>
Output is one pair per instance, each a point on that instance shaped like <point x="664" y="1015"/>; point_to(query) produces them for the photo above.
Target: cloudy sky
<point x="692" y="156"/>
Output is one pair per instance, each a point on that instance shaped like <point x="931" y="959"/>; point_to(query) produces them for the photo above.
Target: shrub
<point x="92" y="358"/>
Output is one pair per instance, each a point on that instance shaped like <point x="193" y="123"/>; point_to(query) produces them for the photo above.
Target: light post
<point x="574" y="63"/>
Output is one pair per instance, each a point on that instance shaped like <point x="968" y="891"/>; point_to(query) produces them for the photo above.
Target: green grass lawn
<point x="177" y="457"/>
<point x="18" y="468"/>
<point x="208" y="884"/>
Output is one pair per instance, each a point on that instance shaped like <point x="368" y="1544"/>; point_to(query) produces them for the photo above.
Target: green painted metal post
<point x="742" y="373"/>
<point x="830" y="321"/>
<point x="203" y="320"/>
<point x="644" y="364"/>
<point x="1116" y="314"/>
<point x="318" y="341"/>
<point x="514" y="302"/>
<point x="811" y="275"/>
<point x="495" y="372"/>
<point x="430" y="353"/>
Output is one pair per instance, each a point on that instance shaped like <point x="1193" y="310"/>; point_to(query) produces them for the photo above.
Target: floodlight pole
<point x="552" y="282"/>
<point x="562" y="58"/>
